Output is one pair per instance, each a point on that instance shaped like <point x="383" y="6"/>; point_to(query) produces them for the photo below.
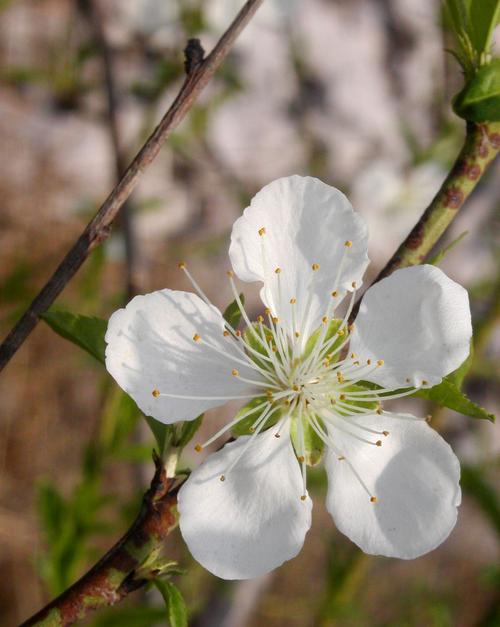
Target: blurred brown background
<point x="356" y="93"/>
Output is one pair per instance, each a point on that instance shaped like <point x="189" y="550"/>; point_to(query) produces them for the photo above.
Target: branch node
<point x="194" y="56"/>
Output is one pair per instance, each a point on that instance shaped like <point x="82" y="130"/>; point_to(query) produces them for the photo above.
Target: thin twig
<point x="126" y="567"/>
<point x="481" y="146"/>
<point x="202" y="70"/>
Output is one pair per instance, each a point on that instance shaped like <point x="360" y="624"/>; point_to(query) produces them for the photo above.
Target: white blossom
<point x="302" y="373"/>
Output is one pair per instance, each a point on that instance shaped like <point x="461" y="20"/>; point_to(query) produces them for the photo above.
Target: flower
<point x="310" y="380"/>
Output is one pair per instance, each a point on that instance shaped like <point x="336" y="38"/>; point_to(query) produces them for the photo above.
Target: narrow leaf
<point x="484" y="16"/>
<point x="87" y="332"/>
<point x="447" y="394"/>
<point x="174" y="602"/>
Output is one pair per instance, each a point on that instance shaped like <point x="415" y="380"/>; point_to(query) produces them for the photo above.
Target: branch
<point x="200" y="71"/>
<point x="481" y="146"/>
<point x="126" y="567"/>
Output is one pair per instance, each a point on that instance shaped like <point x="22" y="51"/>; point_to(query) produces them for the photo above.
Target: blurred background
<point x="354" y="92"/>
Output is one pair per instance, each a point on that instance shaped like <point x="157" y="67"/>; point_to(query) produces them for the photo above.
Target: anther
<point x="354" y="284"/>
<point x="222" y="478"/>
<point x="155" y="393"/>
<point x="230" y="274"/>
<point x="238" y="333"/>
<point x="369" y="362"/>
<point x="287" y="402"/>
<point x="303" y="497"/>
<point x="424" y="382"/>
<point x="251" y="429"/>
<point x="335" y="294"/>
<point x="181" y="265"/>
<point x="295" y="388"/>
<point x="267" y="311"/>
<point x="269" y="393"/>
<point x="340" y="332"/>
<point x="348" y="243"/>
<point x="301" y="459"/>
<point x="226" y="333"/>
<point x="297" y="334"/>
<point x="380" y="362"/>
<point x="378" y="443"/>
<point x="380" y="411"/>
<point x="428" y="418"/>
<point x="350" y="327"/>
<point x="355" y="363"/>
<point x="324" y="319"/>
<point x="275" y="319"/>
<point x="315" y="267"/>
<point x="277" y="435"/>
<point x="408" y="380"/>
<point x="260" y="319"/>
<point x="342" y="397"/>
<point x="198" y="448"/>
<point x="353" y="355"/>
<point x="293" y="301"/>
<point x="262" y="231"/>
<point x="341" y="458"/>
<point x="277" y="271"/>
<point x="196" y="337"/>
<point x="386" y="433"/>
<point x="333" y="401"/>
<point x="373" y="499"/>
<point x="234" y="372"/>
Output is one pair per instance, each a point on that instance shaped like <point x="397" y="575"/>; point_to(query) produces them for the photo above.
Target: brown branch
<point x="481" y="146"/>
<point x="98" y="230"/>
<point x="127" y="566"/>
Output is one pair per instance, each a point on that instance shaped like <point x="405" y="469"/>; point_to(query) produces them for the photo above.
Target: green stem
<point x="128" y="565"/>
<point x="481" y="146"/>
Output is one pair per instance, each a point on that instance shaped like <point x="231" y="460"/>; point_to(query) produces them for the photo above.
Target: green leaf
<point x="436" y="259"/>
<point x="175" y="604"/>
<point x="244" y="426"/>
<point x="484" y="16"/>
<point x="448" y="394"/>
<point x="232" y="314"/>
<point x="479" y="100"/>
<point x="87" y="332"/>
<point x="162" y="433"/>
<point x="457" y="376"/>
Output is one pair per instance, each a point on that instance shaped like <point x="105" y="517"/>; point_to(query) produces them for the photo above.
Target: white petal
<point x="306" y="222"/>
<point x="253" y="521"/>
<point x="415" y="477"/>
<point x="418" y="321"/>
<point x="151" y="347"/>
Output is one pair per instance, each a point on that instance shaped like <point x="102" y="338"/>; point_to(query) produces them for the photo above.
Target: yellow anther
<point x="198" y="448"/>
<point x="341" y="458"/>
<point x="274" y="349"/>
<point x="260" y="319"/>
<point x="353" y="355"/>
<point x="293" y="301"/>
<point x="424" y="382"/>
<point x="369" y="362"/>
<point x="380" y="362"/>
<point x="196" y="337"/>
<point x="355" y="363"/>
<point x="324" y="319"/>
<point x="155" y="393"/>
<point x="262" y="231"/>
<point x="234" y="372"/>
<point x="267" y="311"/>
<point x="301" y="459"/>
<point x="251" y="429"/>
<point x="297" y="334"/>
<point x="386" y="433"/>
<point x="373" y="499"/>
<point x="342" y="397"/>
<point x="269" y="338"/>
<point x="225" y="333"/>
<point x="354" y="284"/>
<point x="315" y="267"/>
<point x="340" y="332"/>
<point x="295" y="388"/>
<point x="378" y="443"/>
<point x="350" y="327"/>
<point x="307" y="403"/>
<point x="222" y="478"/>
<point x="277" y="271"/>
<point x="303" y="497"/>
<point x="287" y="403"/>
<point x="380" y="411"/>
<point x="181" y="265"/>
<point x="275" y="319"/>
<point x="333" y="401"/>
<point x="335" y="294"/>
<point x="277" y="435"/>
<point x="230" y="274"/>
<point x="269" y="393"/>
<point x="348" y="243"/>
<point x="340" y="377"/>
<point x="238" y="333"/>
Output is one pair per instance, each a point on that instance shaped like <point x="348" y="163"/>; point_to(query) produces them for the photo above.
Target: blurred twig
<point x="200" y="71"/>
<point x="481" y="146"/>
<point x="126" y="567"/>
